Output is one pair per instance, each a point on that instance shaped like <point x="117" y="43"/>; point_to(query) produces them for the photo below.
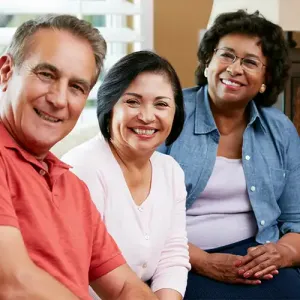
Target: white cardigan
<point x="152" y="237"/>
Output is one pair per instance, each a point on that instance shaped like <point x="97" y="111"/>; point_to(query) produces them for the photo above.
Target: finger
<point x="271" y="275"/>
<point x="267" y="277"/>
<point x="275" y="272"/>
<point x="252" y="253"/>
<point x="251" y="249"/>
<point x="258" y="264"/>
<point x="265" y="271"/>
<point x="248" y="281"/>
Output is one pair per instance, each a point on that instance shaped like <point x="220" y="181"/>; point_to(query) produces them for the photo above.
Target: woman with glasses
<point x="241" y="159"/>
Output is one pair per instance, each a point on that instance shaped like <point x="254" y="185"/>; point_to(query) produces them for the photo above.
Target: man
<point x="53" y="243"/>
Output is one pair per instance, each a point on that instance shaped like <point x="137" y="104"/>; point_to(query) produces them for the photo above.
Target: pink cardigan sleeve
<point x="174" y="265"/>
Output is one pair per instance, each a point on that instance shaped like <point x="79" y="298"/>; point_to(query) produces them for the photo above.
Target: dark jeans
<point x="285" y="285"/>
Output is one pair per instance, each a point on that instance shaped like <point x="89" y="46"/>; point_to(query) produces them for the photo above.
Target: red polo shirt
<point x="60" y="225"/>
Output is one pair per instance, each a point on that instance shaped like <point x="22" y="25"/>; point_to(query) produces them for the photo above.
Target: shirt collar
<point x="8" y="142"/>
<point x="255" y="116"/>
<point x="204" y="120"/>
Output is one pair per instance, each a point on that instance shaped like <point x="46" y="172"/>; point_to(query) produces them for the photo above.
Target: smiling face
<point x="43" y="98"/>
<point x="230" y="84"/>
<point x="142" y="118"/>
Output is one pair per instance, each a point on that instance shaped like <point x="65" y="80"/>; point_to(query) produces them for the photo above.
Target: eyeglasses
<point x="249" y="64"/>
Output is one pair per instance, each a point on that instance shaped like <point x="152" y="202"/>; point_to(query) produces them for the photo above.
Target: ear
<point x="6" y="71"/>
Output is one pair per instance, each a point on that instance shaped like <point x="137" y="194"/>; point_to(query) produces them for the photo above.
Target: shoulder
<point x="278" y="124"/>
<point x="168" y="164"/>
<point x="90" y="153"/>
<point x="190" y="98"/>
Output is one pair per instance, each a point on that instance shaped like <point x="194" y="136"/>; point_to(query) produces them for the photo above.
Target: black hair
<point x="273" y="44"/>
<point x="120" y="76"/>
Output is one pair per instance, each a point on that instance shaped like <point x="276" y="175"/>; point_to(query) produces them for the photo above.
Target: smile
<point x="46" y="117"/>
<point x="231" y="83"/>
<point x="144" y="131"/>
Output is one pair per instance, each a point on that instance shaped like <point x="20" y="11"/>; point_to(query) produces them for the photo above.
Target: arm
<point x="170" y="277"/>
<point x="20" y="278"/>
<point x="168" y="294"/>
<point x="286" y="252"/>
<point x="122" y="284"/>
<point x="218" y="266"/>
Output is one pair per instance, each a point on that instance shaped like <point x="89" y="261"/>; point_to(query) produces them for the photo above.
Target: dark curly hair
<point x="121" y="75"/>
<point x="273" y="45"/>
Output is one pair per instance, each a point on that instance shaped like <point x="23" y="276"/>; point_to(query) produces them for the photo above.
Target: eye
<point x="78" y="88"/>
<point x="45" y="75"/>
<point x="132" y="102"/>
<point x="251" y="62"/>
<point x="162" y="104"/>
<point x="226" y="54"/>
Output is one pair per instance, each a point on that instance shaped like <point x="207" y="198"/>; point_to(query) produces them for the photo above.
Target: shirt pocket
<point x="278" y="180"/>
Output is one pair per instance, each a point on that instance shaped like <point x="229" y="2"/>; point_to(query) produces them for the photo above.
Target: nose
<point x="146" y="114"/>
<point x="57" y="95"/>
<point x="235" y="68"/>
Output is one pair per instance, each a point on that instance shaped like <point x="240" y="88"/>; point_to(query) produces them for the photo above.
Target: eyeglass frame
<point x="240" y="58"/>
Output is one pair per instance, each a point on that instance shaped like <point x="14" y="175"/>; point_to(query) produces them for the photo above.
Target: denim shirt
<point x="270" y="158"/>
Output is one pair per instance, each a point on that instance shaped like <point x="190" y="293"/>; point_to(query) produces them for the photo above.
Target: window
<point x="126" y="25"/>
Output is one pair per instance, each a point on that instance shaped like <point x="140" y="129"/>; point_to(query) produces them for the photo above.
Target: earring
<point x="205" y="72"/>
<point x="262" y="88"/>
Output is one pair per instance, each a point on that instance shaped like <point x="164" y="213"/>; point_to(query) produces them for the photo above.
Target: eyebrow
<point x="46" y="66"/>
<point x="247" y="54"/>
<point x="140" y="96"/>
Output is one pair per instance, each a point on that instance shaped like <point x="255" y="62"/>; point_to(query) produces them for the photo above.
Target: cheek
<point x="122" y="116"/>
<point x="167" y="117"/>
<point x="76" y="107"/>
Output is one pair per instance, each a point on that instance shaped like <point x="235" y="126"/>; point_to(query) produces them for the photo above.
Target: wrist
<point x="287" y="252"/>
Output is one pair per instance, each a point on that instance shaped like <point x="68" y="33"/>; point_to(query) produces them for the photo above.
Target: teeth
<point x="46" y="117"/>
<point x="144" y="131"/>
<point x="228" y="82"/>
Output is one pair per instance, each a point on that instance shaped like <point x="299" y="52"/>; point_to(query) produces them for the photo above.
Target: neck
<point x="229" y="119"/>
<point x="39" y="156"/>
<point x="129" y="158"/>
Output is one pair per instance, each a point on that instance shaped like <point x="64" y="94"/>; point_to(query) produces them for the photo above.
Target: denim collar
<point x="204" y="120"/>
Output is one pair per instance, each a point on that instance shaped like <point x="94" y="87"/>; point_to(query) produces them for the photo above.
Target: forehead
<point x="151" y="80"/>
<point x="242" y="44"/>
<point x="72" y="55"/>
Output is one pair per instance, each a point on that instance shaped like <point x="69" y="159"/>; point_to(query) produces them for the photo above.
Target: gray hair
<point x="80" y="28"/>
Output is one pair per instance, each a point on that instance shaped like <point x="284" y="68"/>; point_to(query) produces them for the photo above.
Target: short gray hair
<point x="80" y="28"/>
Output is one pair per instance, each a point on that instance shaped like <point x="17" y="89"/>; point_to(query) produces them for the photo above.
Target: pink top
<point x="152" y="237"/>
<point x="222" y="214"/>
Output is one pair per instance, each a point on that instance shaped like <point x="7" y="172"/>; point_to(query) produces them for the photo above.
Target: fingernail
<point x="241" y="271"/>
<point x="247" y="274"/>
<point x="258" y="274"/>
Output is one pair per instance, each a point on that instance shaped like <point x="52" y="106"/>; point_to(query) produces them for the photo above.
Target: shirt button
<point x="247" y="157"/>
<point x="42" y="172"/>
<point x="283" y="174"/>
<point x="147" y="236"/>
<point x="262" y="222"/>
<point x="140" y="209"/>
<point x="267" y="242"/>
<point x="144" y="265"/>
<point x="252" y="188"/>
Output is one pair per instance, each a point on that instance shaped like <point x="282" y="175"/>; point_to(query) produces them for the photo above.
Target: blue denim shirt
<point x="270" y="158"/>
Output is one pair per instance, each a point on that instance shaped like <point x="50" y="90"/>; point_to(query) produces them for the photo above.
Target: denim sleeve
<point x="289" y="201"/>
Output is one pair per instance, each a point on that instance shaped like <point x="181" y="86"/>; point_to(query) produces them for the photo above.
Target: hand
<point x="222" y="267"/>
<point x="262" y="261"/>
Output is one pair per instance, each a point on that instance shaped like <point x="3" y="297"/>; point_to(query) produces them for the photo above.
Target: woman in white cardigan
<point x="139" y="192"/>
